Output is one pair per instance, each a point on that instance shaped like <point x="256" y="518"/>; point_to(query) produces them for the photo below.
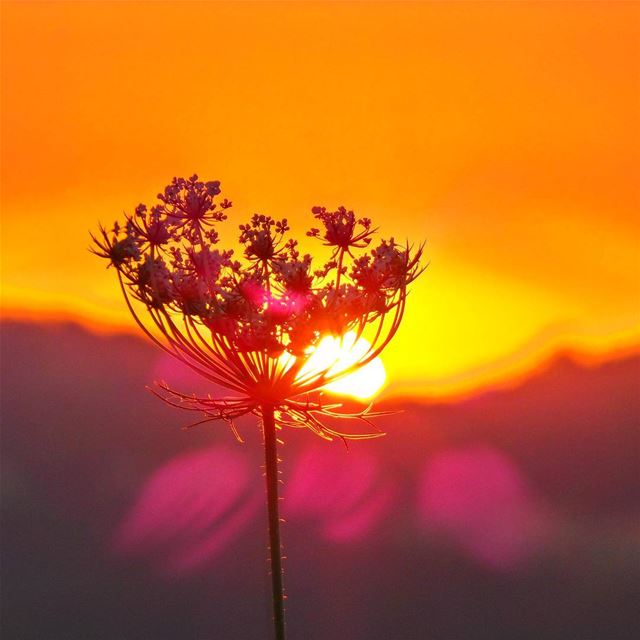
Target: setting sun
<point x="341" y="353"/>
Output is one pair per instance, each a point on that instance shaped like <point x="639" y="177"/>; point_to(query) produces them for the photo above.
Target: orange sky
<point x="506" y="134"/>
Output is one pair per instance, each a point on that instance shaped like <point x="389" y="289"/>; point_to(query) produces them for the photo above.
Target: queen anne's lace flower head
<point x="250" y="322"/>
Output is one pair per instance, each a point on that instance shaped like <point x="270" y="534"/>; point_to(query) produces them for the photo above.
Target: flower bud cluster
<point x="272" y="299"/>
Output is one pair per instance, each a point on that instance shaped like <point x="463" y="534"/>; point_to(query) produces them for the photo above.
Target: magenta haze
<point x="249" y="323"/>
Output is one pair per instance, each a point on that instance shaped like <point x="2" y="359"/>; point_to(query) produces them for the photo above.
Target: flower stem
<point x="275" y="548"/>
<point x="340" y="259"/>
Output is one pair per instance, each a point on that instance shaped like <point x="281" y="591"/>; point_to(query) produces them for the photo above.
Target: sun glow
<point x="485" y="193"/>
<point x="338" y="354"/>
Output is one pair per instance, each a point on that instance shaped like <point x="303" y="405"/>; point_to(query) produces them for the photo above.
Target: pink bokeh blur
<point x="479" y="500"/>
<point x="341" y="491"/>
<point x="190" y="510"/>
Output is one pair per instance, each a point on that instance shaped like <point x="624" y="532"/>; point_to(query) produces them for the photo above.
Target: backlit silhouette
<point x="253" y="324"/>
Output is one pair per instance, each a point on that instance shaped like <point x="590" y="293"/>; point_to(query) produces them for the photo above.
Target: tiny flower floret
<point x="250" y="320"/>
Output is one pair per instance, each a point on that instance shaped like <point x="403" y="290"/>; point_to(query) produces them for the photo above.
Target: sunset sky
<point x="505" y="134"/>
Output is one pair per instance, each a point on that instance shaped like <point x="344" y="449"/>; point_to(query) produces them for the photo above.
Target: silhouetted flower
<point x="342" y="230"/>
<point x="251" y="324"/>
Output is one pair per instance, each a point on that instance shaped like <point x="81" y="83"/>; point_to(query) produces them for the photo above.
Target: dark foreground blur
<point x="513" y="515"/>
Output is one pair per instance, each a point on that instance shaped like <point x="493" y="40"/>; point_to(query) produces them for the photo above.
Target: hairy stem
<point x="340" y="259"/>
<point x="275" y="548"/>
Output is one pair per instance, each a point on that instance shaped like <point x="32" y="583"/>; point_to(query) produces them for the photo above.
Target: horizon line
<point x="502" y="373"/>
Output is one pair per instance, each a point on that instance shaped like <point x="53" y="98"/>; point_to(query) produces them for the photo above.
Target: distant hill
<point x="511" y="514"/>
